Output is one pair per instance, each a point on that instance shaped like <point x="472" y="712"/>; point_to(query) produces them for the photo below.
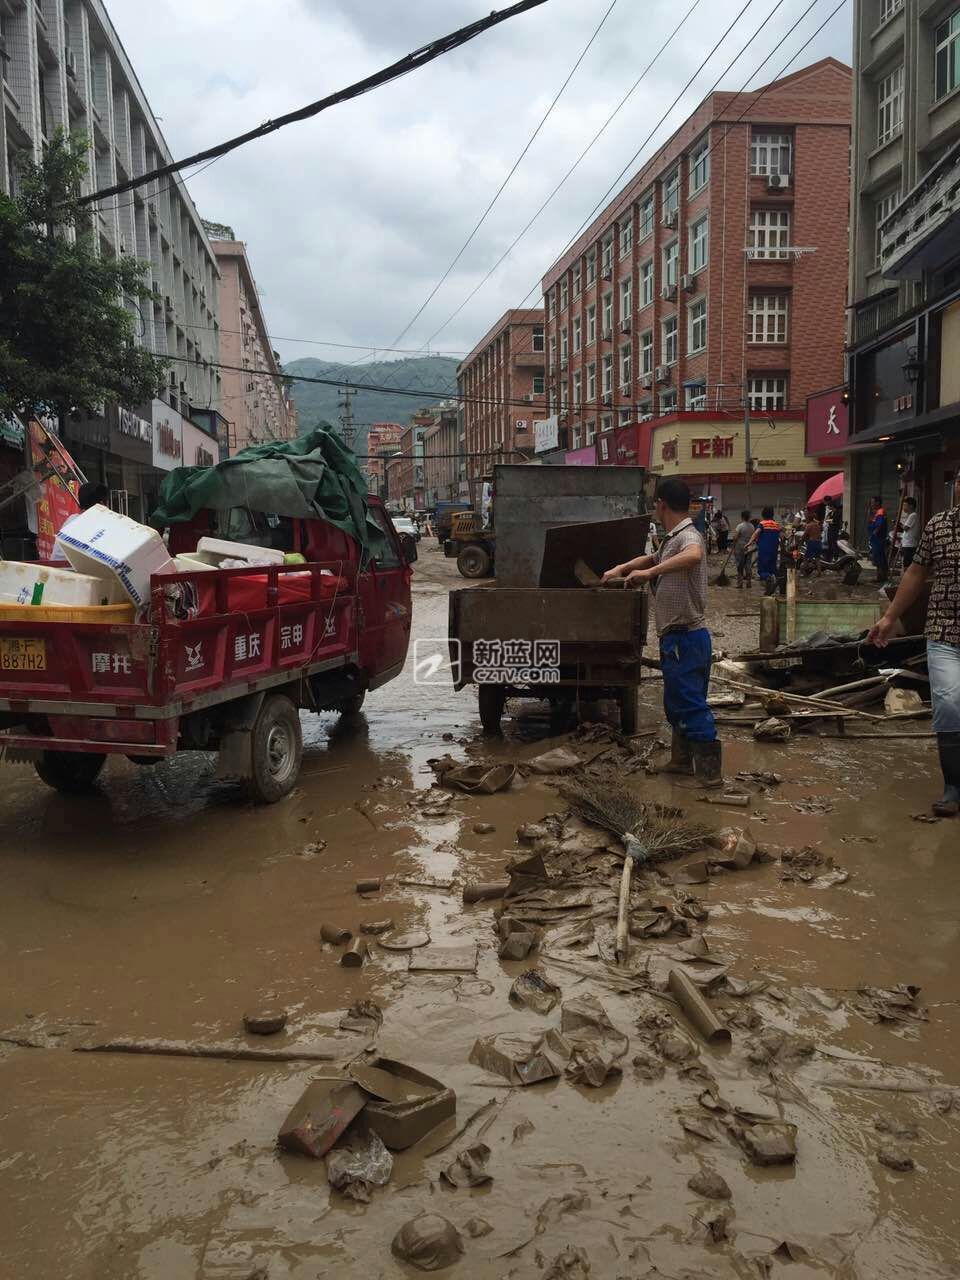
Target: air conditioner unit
<point x="625" y="325"/>
<point x="662" y="373"/>
<point x="670" y="218"/>
<point x="688" y="283"/>
<point x="778" y="182"/>
<point x="70" y="62"/>
<point x="606" y="273"/>
<point x="625" y="389"/>
<point x="646" y="381"/>
<point x="606" y="335"/>
<point x="528" y="398"/>
<point x="669" y="292"/>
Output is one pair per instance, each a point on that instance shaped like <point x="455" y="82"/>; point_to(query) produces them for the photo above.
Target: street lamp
<point x="912" y="367"/>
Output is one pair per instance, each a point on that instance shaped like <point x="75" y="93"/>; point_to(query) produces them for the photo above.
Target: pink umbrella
<point x="831" y="488"/>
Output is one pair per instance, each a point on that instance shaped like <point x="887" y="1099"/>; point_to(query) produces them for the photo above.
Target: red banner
<point x="56" y="498"/>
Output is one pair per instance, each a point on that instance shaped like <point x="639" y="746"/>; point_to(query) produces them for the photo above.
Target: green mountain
<point x="317" y="402"/>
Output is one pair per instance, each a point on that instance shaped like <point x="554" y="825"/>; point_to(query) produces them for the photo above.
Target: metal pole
<point x="747" y="454"/>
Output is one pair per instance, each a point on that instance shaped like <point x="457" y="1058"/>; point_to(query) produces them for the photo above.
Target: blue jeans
<point x="685" y="660"/>
<point x="943" y="665"/>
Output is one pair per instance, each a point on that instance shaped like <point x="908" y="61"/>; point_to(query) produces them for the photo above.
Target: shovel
<point x="721" y="580"/>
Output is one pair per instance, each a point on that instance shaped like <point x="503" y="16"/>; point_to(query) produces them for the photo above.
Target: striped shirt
<point x="680" y="599"/>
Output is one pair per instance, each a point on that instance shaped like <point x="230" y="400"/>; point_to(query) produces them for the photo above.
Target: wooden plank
<point x="565" y="614"/>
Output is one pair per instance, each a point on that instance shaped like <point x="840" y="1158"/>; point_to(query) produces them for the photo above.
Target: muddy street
<point x="163" y="907"/>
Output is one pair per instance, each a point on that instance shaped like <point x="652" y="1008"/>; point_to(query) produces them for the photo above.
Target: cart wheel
<point x="474" y="562"/>
<point x="491" y="700"/>
<point x="276" y="750"/>
<point x="352" y="706"/>
<point x="70" y="772"/>
<point x="629" y="711"/>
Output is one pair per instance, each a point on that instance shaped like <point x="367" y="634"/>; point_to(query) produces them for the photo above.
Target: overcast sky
<point x="350" y="218"/>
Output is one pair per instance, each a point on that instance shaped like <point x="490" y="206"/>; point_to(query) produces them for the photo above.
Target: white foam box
<point x="190" y="563"/>
<point x="23" y="583"/>
<point x="215" y="549"/>
<point x="100" y="541"/>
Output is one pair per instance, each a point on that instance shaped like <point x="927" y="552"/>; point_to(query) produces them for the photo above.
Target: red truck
<point x="226" y="662"/>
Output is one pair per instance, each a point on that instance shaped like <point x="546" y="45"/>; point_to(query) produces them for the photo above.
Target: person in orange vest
<point x="878" y="530"/>
<point x="767" y="541"/>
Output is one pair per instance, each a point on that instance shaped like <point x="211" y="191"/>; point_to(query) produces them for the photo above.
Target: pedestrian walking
<point x="742" y="537"/>
<point x="936" y="562"/>
<point x="910" y="531"/>
<point x="678" y="580"/>
<point x="766" y="539"/>
<point x="721" y="527"/>
<point x="878" y="531"/>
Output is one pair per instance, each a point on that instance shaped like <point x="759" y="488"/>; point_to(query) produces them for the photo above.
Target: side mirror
<point x="408" y="546"/>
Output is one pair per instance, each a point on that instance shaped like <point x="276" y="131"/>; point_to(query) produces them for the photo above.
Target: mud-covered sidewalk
<point x="163" y="908"/>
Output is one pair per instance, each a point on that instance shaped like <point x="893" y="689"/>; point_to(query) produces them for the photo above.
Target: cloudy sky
<point x="351" y="218"/>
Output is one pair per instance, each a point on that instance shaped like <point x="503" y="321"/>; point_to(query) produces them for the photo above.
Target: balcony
<point x="529" y="360"/>
<point x="921" y="232"/>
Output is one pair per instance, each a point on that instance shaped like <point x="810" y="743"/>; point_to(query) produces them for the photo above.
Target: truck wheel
<point x="491" y="699"/>
<point x="276" y="750"/>
<point x="629" y="711"/>
<point x="474" y="562"/>
<point x="70" y="772"/>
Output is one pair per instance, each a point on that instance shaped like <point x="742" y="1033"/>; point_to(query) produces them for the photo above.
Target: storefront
<point x="178" y="442"/>
<point x="585" y="457"/>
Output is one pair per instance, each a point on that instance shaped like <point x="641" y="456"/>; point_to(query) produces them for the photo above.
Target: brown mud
<point x="164" y="907"/>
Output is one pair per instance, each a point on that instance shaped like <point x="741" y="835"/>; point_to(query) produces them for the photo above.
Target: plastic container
<point x="213" y="550"/>
<point x="23" y="583"/>
<point x="103" y="542"/>
<point x="110" y="613"/>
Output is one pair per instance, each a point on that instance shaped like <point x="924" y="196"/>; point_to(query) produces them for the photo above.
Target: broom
<point x="721" y="580"/>
<point x="650" y="834"/>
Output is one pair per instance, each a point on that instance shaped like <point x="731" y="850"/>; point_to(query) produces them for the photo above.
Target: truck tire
<point x="474" y="562"/>
<point x="491" y="699"/>
<point x="629" y="711"/>
<point x="70" y="772"/>
<point x="276" y="749"/>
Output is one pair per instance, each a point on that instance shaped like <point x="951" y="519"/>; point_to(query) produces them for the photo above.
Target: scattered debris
<point x="521" y="1130"/>
<point x="405" y="941"/>
<point x="560" y="760"/>
<point x="896" y="1156"/>
<point x="353" y="1170"/>
<point x="470" y="1168"/>
<point x="372" y="885"/>
<point x="736" y="799"/>
<point x="265" y="1022"/>
<point x="320" y="1116"/>
<point x="572" y="1264"/>
<point x="365" y="1016"/>
<point x="312" y="849"/>
<point x="481" y="892"/>
<point x="533" y="991"/>
<point x="355" y="954"/>
<point x="765" y="777"/>
<point x="710" y="1185"/>
<point x="520" y="1060"/>
<point x="376" y="927"/>
<point x="772" y="729"/>
<point x="718" y="1226"/>
<point x="444" y="959"/>
<point x="483" y="828"/>
<point x="893" y="1004"/>
<point x="767" y="1142"/>
<point x="477" y="1227"/>
<point x="903" y="1130"/>
<point x="332" y="933"/>
<point x="428" y="1243"/>
<point x="402" y="1103"/>
<point x="518" y="942"/>
<point x="696" y="1009"/>
<point x="475" y="779"/>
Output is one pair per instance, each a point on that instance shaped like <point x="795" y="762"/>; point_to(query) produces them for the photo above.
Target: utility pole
<point x="346" y="416"/>
<point x="747" y="454"/>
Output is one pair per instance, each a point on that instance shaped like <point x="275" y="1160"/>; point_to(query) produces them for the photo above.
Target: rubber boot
<point x="948" y="745"/>
<point x="681" y="756"/>
<point x="708" y="763"/>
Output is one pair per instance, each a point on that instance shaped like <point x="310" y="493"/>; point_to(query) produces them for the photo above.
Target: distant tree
<point x="67" y="342"/>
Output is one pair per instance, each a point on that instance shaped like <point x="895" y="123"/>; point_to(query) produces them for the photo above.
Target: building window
<point x="538" y="337"/>
<point x="607" y="326"/>
<point x="563" y="343"/>
<point x="589" y="432"/>
<point x="699" y="165"/>
<point x="769" y="232"/>
<point x="890" y="106"/>
<point x="591" y="384"/>
<point x="538" y="385"/>
<point x="576" y="391"/>
<point x="606" y="254"/>
<point x="646" y="352"/>
<point x="626" y="297"/>
<point x="591" y="323"/>
<point x="551" y="304"/>
<point x="576" y="334"/>
<point x="698" y="245"/>
<point x="577" y="278"/>
<point x="696" y="326"/>
<point x="948" y="54"/>
<point x="575" y="437"/>
<point x="695" y="398"/>
<point x="607" y="375"/>
<point x="624" y="418"/>
<point x="563" y="294"/>
<point x="767" y="394"/>
<point x="768" y="317"/>
<point x="646" y="283"/>
<point x="671" y="262"/>
<point x="553" y="353"/>
<point x="888" y="8"/>
<point x="669" y="340"/>
<point x="591" y="268"/>
<point x="883" y="208"/>
<point x="646" y="217"/>
<point x="626" y="236"/>
<point x="625" y="366"/>
<point x="671" y="193"/>
<point x="563" y="396"/>
<point x="770" y="154"/>
<point x="668" y="402"/>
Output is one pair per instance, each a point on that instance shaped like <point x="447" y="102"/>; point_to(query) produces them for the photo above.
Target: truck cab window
<point x="387" y="557"/>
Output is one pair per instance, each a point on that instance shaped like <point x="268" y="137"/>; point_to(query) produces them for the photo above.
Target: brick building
<point x="690" y="285"/>
<point x="411" y="475"/>
<point x="501" y="385"/>
<point x="441" y="456"/>
<point x="383" y="441"/>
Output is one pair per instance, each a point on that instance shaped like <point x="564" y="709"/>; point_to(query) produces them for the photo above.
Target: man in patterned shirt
<point x="937" y="562"/>
<point x="678" y="578"/>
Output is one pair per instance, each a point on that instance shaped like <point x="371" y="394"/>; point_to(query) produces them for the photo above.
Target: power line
<point x="410" y="62"/>
<point x="322" y="342"/>
<point x="500" y="190"/>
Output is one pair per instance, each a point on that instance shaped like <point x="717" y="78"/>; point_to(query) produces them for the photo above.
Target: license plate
<point x="29" y="654"/>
